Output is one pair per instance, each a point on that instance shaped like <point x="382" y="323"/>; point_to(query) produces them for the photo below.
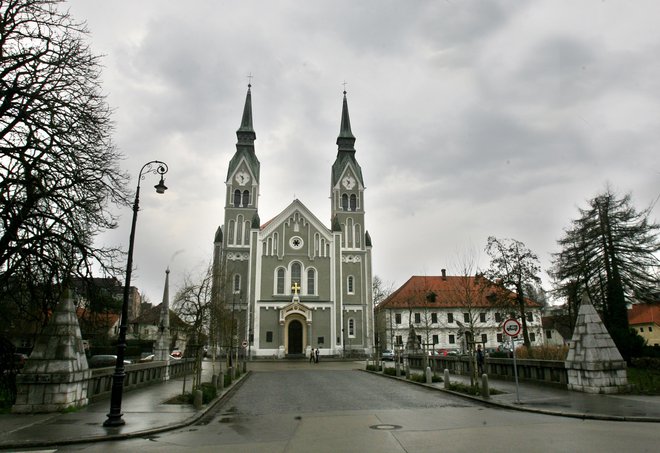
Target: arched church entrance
<point x="295" y="337"/>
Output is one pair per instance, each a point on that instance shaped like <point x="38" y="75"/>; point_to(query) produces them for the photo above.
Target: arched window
<point x="239" y="230"/>
<point x="246" y="241"/>
<point x="246" y="198"/>
<point x="231" y="232"/>
<point x="351" y="328"/>
<point x="353" y="202"/>
<point x="237" y="198"/>
<point x="281" y="276"/>
<point x="311" y="282"/>
<point x="344" y="202"/>
<point x="237" y="283"/>
<point x="296" y="273"/>
<point x="350" y="285"/>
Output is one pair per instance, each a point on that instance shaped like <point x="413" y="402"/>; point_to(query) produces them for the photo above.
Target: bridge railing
<point x="137" y="375"/>
<point x="552" y="372"/>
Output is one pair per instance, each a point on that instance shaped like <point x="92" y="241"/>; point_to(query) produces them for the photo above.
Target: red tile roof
<point x="450" y="291"/>
<point x="644" y="314"/>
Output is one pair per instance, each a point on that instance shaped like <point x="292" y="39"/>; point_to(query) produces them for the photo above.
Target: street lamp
<point x="115" y="415"/>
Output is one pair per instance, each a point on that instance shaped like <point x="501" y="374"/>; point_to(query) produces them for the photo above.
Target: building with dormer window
<point x="295" y="284"/>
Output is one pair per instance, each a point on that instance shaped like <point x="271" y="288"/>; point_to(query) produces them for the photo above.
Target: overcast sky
<point x="472" y="118"/>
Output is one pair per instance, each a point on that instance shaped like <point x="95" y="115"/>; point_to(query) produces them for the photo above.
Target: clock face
<point x="242" y="178"/>
<point x="348" y="182"/>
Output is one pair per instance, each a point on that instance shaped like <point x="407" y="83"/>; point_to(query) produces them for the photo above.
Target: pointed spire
<point x="346" y="140"/>
<point x="165" y="307"/>
<point x="245" y="133"/>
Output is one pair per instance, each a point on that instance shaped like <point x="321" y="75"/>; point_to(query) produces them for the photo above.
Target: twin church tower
<point x="293" y="284"/>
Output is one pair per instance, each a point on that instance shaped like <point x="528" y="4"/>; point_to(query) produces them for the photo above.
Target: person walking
<point x="480" y="360"/>
<point x="317" y="355"/>
<point x="311" y="355"/>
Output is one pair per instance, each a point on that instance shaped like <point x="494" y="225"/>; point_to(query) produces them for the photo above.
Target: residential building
<point x="294" y="283"/>
<point x="451" y="313"/>
<point x="645" y="319"/>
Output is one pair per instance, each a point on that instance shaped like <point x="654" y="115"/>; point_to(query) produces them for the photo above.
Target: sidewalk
<point x="143" y="411"/>
<point x="555" y="401"/>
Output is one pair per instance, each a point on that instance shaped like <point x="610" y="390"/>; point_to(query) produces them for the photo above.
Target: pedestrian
<point x="480" y="360"/>
<point x="317" y="355"/>
<point x="311" y="355"/>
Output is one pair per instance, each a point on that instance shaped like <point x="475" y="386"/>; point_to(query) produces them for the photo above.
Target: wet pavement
<point x="146" y="413"/>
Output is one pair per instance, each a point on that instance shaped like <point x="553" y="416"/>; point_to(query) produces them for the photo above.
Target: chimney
<point x="444" y="274"/>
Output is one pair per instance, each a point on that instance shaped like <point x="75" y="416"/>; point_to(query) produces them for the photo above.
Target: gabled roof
<point x="100" y="319"/>
<point x="450" y="291"/>
<point x="296" y="205"/>
<point x="644" y="314"/>
<point x="152" y="316"/>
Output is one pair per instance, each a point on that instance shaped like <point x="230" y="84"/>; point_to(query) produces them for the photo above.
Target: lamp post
<point x="115" y="415"/>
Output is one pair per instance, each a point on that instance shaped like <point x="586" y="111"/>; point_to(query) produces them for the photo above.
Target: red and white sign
<point x="511" y="327"/>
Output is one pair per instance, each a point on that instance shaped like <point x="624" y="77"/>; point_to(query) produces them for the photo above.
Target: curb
<point x="518" y="407"/>
<point x="123" y="436"/>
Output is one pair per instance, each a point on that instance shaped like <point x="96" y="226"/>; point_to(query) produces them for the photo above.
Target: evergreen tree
<point x="609" y="252"/>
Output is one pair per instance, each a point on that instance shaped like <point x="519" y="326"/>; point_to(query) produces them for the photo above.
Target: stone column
<point x="56" y="375"/>
<point x="594" y="364"/>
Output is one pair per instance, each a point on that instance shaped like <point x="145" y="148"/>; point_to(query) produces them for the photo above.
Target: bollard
<point x="197" y="399"/>
<point x="214" y="380"/>
<point x="429" y="375"/>
<point x="446" y="377"/>
<point x="485" y="390"/>
<point x="407" y="371"/>
<point x="230" y="372"/>
<point x="221" y="381"/>
<point x="397" y="369"/>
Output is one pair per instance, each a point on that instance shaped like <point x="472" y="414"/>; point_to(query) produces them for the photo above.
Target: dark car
<point x="19" y="360"/>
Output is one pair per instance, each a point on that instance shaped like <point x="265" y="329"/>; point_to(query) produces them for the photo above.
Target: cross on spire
<point x="249" y="76"/>
<point x="345" y="83"/>
<point x="295" y="288"/>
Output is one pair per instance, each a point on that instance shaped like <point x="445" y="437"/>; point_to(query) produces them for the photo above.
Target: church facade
<point x="294" y="284"/>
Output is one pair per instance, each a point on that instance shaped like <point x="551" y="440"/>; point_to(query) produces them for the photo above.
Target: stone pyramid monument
<point x="594" y="364"/>
<point x="56" y="375"/>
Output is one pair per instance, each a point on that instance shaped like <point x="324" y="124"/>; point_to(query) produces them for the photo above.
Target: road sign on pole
<point x="511" y="327"/>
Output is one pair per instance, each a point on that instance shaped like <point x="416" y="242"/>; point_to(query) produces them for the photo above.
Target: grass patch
<point x="184" y="398"/>
<point x="645" y="381"/>
<point x="471" y="390"/>
<point x="419" y="377"/>
<point x="390" y="371"/>
<point x="374" y="368"/>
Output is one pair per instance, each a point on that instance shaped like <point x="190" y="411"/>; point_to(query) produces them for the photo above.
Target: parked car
<point x="104" y="360"/>
<point x="147" y="358"/>
<point x="447" y="351"/>
<point x="387" y="354"/>
<point x="176" y="354"/>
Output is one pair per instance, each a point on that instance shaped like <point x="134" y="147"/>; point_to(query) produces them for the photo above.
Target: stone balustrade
<point x="547" y="372"/>
<point x="137" y="375"/>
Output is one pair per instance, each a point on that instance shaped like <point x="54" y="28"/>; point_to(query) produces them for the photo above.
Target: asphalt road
<point x="330" y="407"/>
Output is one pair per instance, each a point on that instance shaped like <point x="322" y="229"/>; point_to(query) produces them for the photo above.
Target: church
<point x="293" y="283"/>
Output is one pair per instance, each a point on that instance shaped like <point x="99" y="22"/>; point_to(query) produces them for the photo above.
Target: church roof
<point x="296" y="205"/>
<point x="449" y="292"/>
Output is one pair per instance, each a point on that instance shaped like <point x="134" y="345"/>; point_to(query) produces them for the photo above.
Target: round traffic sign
<point x="511" y="327"/>
<point x="244" y="344"/>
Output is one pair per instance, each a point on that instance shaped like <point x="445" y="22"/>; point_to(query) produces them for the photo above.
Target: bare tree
<point x="513" y="266"/>
<point x="193" y="303"/>
<point x="58" y="167"/>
